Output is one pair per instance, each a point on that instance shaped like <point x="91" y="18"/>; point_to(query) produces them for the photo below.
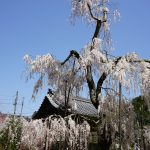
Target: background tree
<point x="141" y="110"/>
<point x="142" y="118"/>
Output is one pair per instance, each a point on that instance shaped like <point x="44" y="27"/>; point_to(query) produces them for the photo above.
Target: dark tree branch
<point x="72" y="53"/>
<point x="100" y="83"/>
<point x="91" y="85"/>
<point x="117" y="60"/>
<point x="97" y="29"/>
<point x="146" y="60"/>
<point x="134" y="61"/>
<point x="90" y="10"/>
<point x="106" y="89"/>
<point x="102" y="79"/>
<point x="98" y="24"/>
<point x="93" y="91"/>
<point x="138" y="61"/>
<point x="131" y="61"/>
<point x="70" y="89"/>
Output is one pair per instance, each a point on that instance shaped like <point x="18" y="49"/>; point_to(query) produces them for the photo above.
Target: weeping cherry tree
<point x="94" y="66"/>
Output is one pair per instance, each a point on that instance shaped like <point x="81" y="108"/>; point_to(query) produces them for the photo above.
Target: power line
<point x="7" y="95"/>
<point x="10" y="103"/>
<point x="6" y="98"/>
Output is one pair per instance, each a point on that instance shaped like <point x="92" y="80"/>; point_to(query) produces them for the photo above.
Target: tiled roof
<point x="78" y="105"/>
<point x="84" y="107"/>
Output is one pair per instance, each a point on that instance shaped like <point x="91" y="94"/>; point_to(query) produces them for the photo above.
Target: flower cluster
<point x="54" y="130"/>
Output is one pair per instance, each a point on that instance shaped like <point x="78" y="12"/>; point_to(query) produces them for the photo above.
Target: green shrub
<point x="10" y="135"/>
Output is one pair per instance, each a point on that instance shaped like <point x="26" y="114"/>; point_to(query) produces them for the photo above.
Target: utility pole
<point x="119" y="128"/>
<point x="15" y="103"/>
<point x="22" y="106"/>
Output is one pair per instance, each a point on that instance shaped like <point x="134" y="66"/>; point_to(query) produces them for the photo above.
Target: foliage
<point x="10" y="135"/>
<point x="141" y="110"/>
<point x="54" y="132"/>
<point x="60" y="133"/>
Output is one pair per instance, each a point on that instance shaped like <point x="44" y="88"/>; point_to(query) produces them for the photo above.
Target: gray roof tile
<point x="83" y="106"/>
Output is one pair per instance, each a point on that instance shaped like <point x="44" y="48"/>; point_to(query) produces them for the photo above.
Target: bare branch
<point x="139" y="61"/>
<point x="132" y="61"/>
<point x="91" y="85"/>
<point x="100" y="83"/>
<point x="97" y="29"/>
<point x="72" y="53"/>
<point x="90" y="10"/>
<point x="98" y="24"/>
<point x="146" y="60"/>
<point x="92" y="89"/>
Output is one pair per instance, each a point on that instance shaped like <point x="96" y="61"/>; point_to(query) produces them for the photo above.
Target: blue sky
<point x="38" y="27"/>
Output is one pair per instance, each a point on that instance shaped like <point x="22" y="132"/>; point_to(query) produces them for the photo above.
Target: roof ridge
<point x="77" y="98"/>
